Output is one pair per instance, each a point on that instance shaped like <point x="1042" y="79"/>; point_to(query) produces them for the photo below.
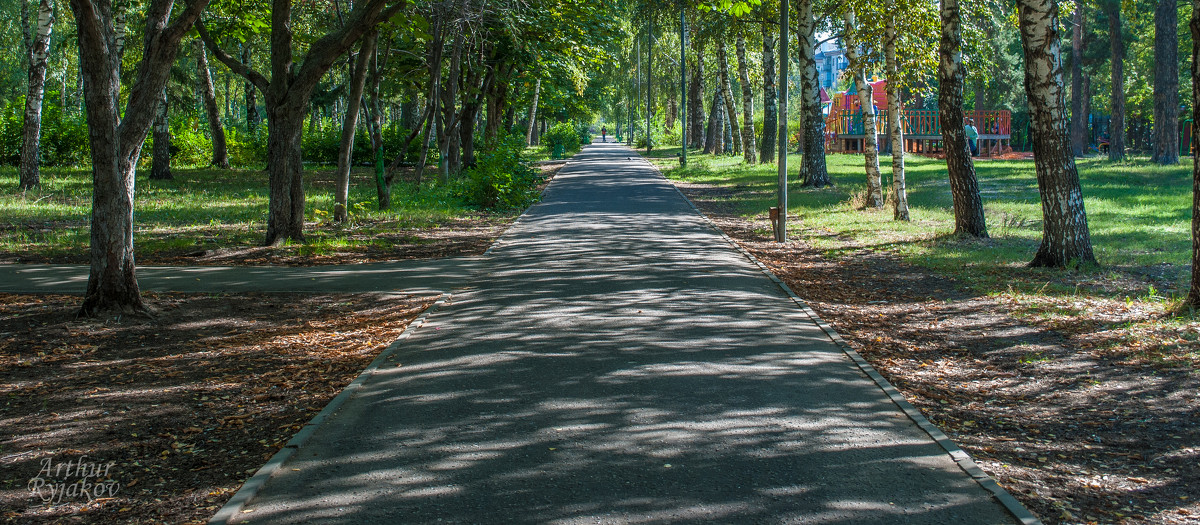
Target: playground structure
<point x="922" y="127"/>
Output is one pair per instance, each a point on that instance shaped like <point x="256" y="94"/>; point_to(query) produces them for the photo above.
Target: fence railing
<point x="918" y="122"/>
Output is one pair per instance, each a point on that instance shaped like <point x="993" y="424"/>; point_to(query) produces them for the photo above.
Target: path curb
<point x="234" y="507"/>
<point x="960" y="456"/>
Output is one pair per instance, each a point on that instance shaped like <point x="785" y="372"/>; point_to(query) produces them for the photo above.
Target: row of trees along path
<point x="116" y="135"/>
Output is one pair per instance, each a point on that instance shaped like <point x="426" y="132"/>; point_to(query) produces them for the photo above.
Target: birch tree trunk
<point x="160" y="166"/>
<point x="866" y="100"/>
<point x="537" y="89"/>
<point x="37" y="49"/>
<point x="813" y="170"/>
<point x="1193" y="296"/>
<point x="766" y="148"/>
<point x="358" y="80"/>
<point x="1166" y="84"/>
<point x="749" y="149"/>
<point x="964" y="187"/>
<point x="899" y="193"/>
<point x="1078" y="117"/>
<point x="1065" y="237"/>
<point x="220" y="157"/>
<point x="727" y="94"/>
<point x="1116" y="125"/>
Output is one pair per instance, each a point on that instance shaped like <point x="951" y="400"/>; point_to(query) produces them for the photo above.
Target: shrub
<point x="563" y="134"/>
<point x="499" y="180"/>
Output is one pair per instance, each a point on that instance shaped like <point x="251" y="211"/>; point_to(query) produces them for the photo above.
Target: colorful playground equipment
<point x="922" y="127"/>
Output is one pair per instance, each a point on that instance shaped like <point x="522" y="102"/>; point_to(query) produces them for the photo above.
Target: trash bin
<point x="557" y="152"/>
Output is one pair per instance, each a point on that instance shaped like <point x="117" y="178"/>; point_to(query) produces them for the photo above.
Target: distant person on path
<point x="972" y="137"/>
<point x="603" y="133"/>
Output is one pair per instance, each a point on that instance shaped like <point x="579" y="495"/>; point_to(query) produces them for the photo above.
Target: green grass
<point x="1139" y="215"/>
<point x="205" y="208"/>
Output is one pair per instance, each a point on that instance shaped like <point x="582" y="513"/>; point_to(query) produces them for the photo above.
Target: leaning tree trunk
<point x="358" y="80"/>
<point x="766" y="148"/>
<point x="1065" y="237"/>
<point x="1166" y="83"/>
<point x="1116" y="125"/>
<point x="160" y="167"/>
<point x="749" y="149"/>
<point x="37" y="47"/>
<point x="1193" y="297"/>
<point x="727" y="95"/>
<point x="813" y="170"/>
<point x="1078" y="117"/>
<point x="899" y="193"/>
<point x="537" y="90"/>
<point x="866" y="100"/>
<point x="220" y="154"/>
<point x="964" y="187"/>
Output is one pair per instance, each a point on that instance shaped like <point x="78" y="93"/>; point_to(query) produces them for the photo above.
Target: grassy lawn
<point x="1139" y="215"/>
<point x="206" y="209"/>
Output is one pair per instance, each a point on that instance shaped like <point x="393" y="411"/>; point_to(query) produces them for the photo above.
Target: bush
<point x="562" y="134"/>
<point x="499" y="180"/>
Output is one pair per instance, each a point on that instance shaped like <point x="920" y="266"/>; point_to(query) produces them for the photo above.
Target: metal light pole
<point x="683" y="122"/>
<point x="781" y="221"/>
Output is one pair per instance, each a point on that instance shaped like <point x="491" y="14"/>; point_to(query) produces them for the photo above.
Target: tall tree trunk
<point x="749" y="149"/>
<point x="358" y="80"/>
<point x="727" y="94"/>
<point x="1116" y="125"/>
<point x="813" y="170"/>
<point x="37" y="48"/>
<point x="766" y="148"/>
<point x="220" y="156"/>
<point x="160" y="166"/>
<point x="899" y="193"/>
<point x="1193" y="296"/>
<point x="714" y="137"/>
<point x="472" y="104"/>
<point x="434" y="60"/>
<point x="696" y="103"/>
<point x="1078" y="118"/>
<point x="374" y="116"/>
<point x="537" y="90"/>
<point x="1065" y="237"/>
<point x="866" y="100"/>
<point x="964" y="187"/>
<point x="251" y="98"/>
<point x="116" y="139"/>
<point x="1166" y="83"/>
<point x="448" y="140"/>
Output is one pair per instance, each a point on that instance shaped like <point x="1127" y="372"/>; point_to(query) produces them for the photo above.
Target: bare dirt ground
<point x="185" y="406"/>
<point x="1076" y="420"/>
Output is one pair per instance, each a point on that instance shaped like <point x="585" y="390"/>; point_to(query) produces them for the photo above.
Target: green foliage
<point x="563" y="134"/>
<point x="499" y="180"/>
<point x="64" y="139"/>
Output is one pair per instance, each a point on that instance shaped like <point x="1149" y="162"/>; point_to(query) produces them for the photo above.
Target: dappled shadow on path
<point x="619" y="363"/>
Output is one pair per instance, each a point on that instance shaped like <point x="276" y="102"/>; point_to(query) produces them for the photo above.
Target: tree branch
<point x="260" y="82"/>
<point x="325" y="51"/>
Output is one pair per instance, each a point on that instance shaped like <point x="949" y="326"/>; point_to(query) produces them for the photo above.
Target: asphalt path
<point x="616" y="360"/>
